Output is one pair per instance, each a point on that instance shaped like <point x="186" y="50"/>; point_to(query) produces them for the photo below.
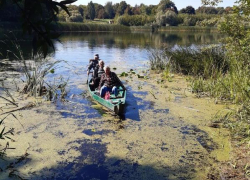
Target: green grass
<point x="97" y="25"/>
<point x="189" y="28"/>
<point x="90" y="27"/>
<point x="214" y="74"/>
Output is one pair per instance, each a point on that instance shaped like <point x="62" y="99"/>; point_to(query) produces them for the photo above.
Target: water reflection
<point x="141" y="40"/>
<point x="108" y="40"/>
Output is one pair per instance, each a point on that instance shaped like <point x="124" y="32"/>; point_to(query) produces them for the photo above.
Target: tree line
<point x="110" y="11"/>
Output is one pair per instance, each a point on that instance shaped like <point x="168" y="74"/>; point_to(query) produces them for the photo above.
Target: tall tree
<point x="91" y="10"/>
<point x="188" y="10"/>
<point x="144" y="9"/>
<point x="166" y="5"/>
<point x="109" y="10"/>
<point x="128" y="10"/>
<point x="115" y="7"/>
<point x="121" y="8"/>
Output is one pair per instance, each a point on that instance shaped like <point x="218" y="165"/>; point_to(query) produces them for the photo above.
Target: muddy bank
<point x="165" y="135"/>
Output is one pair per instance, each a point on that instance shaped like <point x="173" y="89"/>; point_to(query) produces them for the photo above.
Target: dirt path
<point x="165" y="136"/>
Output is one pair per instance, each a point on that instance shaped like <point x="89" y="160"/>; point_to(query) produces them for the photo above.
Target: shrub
<point x="77" y="18"/>
<point x="167" y="19"/>
<point x="135" y="20"/>
<point x="190" y="21"/>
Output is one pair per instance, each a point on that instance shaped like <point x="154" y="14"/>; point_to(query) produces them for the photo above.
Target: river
<point x="165" y="133"/>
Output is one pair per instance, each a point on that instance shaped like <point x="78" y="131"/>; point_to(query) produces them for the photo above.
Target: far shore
<point x="91" y="27"/>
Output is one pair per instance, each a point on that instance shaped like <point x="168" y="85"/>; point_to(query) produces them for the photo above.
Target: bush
<point x="190" y="21"/>
<point x="208" y="22"/>
<point x="135" y="20"/>
<point x="77" y="18"/>
<point x="167" y="19"/>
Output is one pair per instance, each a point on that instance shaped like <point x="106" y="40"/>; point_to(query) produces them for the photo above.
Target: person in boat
<point x="93" y="63"/>
<point x="98" y="71"/>
<point x="109" y="82"/>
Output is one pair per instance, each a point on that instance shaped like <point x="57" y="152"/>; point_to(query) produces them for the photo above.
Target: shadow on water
<point x="77" y="105"/>
<point x="201" y="136"/>
<point x="94" y="164"/>
<point x="134" y="102"/>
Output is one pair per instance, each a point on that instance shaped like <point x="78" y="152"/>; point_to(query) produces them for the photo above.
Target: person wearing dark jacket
<point x="93" y="63"/>
<point x="98" y="71"/>
<point x="109" y="82"/>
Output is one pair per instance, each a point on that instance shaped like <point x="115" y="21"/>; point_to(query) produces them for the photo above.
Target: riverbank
<point x="100" y="27"/>
<point x="174" y="28"/>
<point x="166" y="134"/>
<point x="71" y="27"/>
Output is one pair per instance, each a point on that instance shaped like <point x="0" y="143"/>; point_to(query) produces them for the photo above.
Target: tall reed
<point x="214" y="73"/>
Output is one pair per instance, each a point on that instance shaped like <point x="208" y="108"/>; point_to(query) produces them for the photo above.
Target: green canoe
<point x="115" y="104"/>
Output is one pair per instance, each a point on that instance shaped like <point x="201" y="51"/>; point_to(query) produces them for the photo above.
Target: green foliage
<point x="121" y="8"/>
<point x="90" y="27"/>
<point x="208" y="22"/>
<point x="169" y="18"/>
<point x="166" y="5"/>
<point x="91" y="10"/>
<point x="78" y="18"/>
<point x="190" y="21"/>
<point x="109" y="10"/>
<point x="207" y="10"/>
<point x="188" y="10"/>
<point x="135" y="20"/>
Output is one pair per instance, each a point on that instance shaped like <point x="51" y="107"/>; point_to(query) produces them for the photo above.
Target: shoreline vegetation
<point x="212" y="72"/>
<point x="71" y="27"/>
<point x="91" y="27"/>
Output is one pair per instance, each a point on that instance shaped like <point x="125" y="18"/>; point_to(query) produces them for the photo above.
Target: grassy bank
<point x="66" y="26"/>
<point x="90" y="27"/>
<point x="214" y="74"/>
<point x="175" y="28"/>
<point x="189" y="28"/>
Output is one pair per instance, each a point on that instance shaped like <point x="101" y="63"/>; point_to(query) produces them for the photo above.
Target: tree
<point x="136" y="10"/>
<point x="165" y="5"/>
<point x="99" y="7"/>
<point x="128" y="10"/>
<point x="144" y="9"/>
<point x="220" y="10"/>
<point x="81" y="11"/>
<point x="207" y="10"/>
<point x="91" y="10"/>
<point x="101" y="14"/>
<point x="115" y="7"/>
<point x="109" y="10"/>
<point x="121" y="8"/>
<point x="167" y="19"/>
<point x="190" y="10"/>
<point x="36" y="17"/>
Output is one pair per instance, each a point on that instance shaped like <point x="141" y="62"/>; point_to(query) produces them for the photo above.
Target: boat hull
<point x="115" y="104"/>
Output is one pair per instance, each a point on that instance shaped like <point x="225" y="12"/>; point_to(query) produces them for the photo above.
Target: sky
<point x="178" y="3"/>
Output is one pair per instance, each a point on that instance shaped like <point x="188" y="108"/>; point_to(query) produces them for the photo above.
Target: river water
<point x="165" y="133"/>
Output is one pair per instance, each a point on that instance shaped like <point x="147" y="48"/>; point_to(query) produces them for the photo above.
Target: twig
<point x="152" y="94"/>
